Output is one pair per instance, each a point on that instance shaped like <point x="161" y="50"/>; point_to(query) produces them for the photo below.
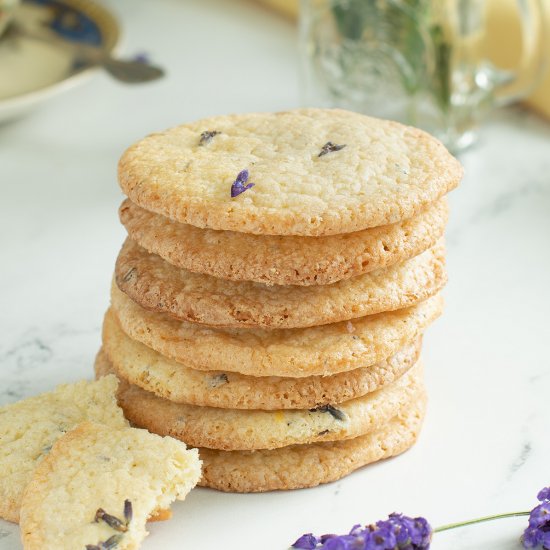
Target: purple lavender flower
<point x="238" y="185"/>
<point x="540" y="515"/>
<point x="398" y="532"/>
<point x="306" y="542"/>
<point x="533" y="537"/>
<point x="339" y="543"/>
<point x="141" y="57"/>
<point x="530" y="538"/>
<point x="382" y="538"/>
<point x="410" y="533"/>
<point x="538" y="531"/>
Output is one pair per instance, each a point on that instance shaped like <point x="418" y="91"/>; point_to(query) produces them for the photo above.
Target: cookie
<point x="233" y="429"/>
<point x="28" y="429"/>
<point x="324" y="350"/>
<point x="315" y="172"/>
<point x="288" y="260"/>
<point x="157" y="285"/>
<point x="301" y="466"/>
<point x="166" y="378"/>
<point x="101" y="484"/>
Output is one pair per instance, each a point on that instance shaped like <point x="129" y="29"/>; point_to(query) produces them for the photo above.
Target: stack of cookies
<point x="269" y="303"/>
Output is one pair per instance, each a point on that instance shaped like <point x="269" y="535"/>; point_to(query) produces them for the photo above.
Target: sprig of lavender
<point x="401" y="532"/>
<point x="397" y="532"/>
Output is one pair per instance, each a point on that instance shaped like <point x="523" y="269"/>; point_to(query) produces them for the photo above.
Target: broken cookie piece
<point x="30" y="427"/>
<point x="99" y="485"/>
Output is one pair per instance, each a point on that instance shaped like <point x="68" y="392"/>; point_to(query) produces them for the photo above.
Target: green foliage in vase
<point x="408" y="29"/>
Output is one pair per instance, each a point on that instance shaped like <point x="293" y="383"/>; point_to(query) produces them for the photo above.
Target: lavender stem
<point x="479" y="520"/>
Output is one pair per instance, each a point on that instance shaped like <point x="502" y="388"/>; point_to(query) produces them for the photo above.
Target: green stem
<point x="479" y="520"/>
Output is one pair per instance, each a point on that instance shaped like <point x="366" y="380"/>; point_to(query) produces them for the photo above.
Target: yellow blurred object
<point x="290" y="8"/>
<point x="503" y="46"/>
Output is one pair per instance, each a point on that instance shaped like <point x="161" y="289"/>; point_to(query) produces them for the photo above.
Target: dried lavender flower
<point x="219" y="380"/>
<point x="114" y="523"/>
<point x="129" y="274"/>
<point x="111" y="521"/>
<point x="46" y="449"/>
<point x="142" y="57"/>
<point x="333" y="411"/>
<point x="206" y="136"/>
<point x="238" y="185"/>
<point x="330" y="147"/>
<point x="128" y="512"/>
<point x="110" y="543"/>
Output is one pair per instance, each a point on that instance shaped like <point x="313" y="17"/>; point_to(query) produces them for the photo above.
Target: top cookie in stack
<point x="316" y="172"/>
<point x="299" y="250"/>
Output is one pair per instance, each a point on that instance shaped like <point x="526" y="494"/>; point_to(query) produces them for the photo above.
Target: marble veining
<point x="38" y="355"/>
<point x="521" y="459"/>
<point x="27" y="353"/>
<point x="504" y="201"/>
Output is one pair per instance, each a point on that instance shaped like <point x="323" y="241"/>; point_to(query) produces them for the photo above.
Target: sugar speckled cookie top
<point x="315" y="172"/>
<point x="29" y="428"/>
<point x="99" y="485"/>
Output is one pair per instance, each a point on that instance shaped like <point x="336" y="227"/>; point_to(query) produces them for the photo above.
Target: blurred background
<point x="440" y="65"/>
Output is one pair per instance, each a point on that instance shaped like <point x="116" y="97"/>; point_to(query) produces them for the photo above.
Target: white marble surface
<point x="485" y="446"/>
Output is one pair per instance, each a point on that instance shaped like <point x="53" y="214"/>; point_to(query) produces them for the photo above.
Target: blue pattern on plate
<point x="70" y="23"/>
